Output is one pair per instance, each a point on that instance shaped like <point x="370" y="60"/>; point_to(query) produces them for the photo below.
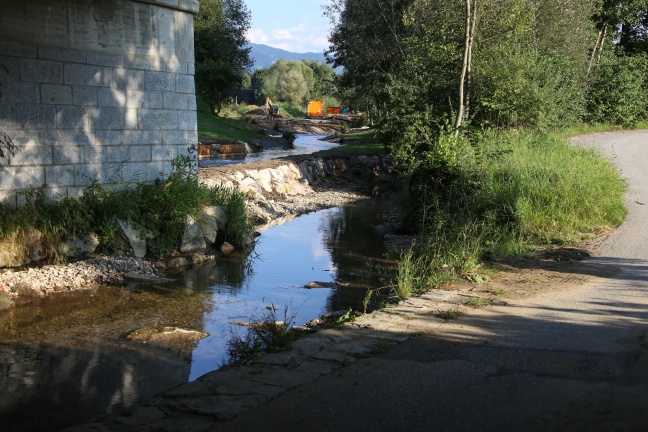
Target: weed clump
<point x="266" y="334"/>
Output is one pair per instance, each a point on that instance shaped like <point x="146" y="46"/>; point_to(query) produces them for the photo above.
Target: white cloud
<point x="257" y="36"/>
<point x="283" y="34"/>
<point x="301" y="38"/>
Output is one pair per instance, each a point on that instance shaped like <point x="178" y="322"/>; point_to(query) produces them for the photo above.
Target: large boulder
<point x="136" y="238"/>
<point x="193" y="239"/>
<point x="5" y="300"/>
<point x="212" y="219"/>
<point x="209" y="228"/>
<point x="18" y="250"/>
<point x="80" y="246"/>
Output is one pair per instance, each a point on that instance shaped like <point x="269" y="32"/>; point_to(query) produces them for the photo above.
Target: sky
<point x="292" y="25"/>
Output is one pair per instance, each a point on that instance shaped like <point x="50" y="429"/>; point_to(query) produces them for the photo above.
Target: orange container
<point x="232" y="148"/>
<point x="315" y="108"/>
<point x="333" y="110"/>
<point x="204" y="150"/>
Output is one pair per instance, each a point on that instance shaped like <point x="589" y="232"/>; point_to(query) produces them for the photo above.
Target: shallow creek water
<point x="304" y="144"/>
<point x="66" y="360"/>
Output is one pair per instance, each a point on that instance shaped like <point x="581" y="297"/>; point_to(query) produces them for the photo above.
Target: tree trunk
<point x="469" y="69"/>
<point x="595" y="49"/>
<point x="465" y="67"/>
<point x="462" y="78"/>
<point x="600" y="51"/>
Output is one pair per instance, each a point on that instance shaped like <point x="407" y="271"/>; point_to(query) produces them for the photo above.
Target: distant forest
<point x="263" y="56"/>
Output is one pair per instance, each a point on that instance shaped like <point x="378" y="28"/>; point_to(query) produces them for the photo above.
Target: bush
<point x="618" y="90"/>
<point x="289" y="136"/>
<point x="293" y="111"/>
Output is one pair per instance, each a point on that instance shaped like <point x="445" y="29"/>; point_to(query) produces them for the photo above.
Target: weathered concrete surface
<point x="94" y="91"/>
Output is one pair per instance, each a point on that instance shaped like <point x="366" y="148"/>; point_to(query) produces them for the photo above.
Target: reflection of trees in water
<point x="65" y="359"/>
<point x="229" y="270"/>
<point x="47" y="387"/>
<point x="357" y="251"/>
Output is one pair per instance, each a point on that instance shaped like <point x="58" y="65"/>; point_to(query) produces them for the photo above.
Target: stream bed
<point x="67" y="359"/>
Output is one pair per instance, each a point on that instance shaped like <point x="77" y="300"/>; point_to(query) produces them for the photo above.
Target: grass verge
<point x="224" y="127"/>
<point x="364" y="142"/>
<point x="504" y="194"/>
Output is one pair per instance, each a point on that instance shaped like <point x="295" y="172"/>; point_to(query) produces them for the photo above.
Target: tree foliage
<point x="618" y="90"/>
<point x="222" y="54"/>
<point x="295" y="81"/>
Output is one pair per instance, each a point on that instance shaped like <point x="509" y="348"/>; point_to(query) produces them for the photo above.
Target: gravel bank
<point x="46" y="280"/>
<point x="276" y="209"/>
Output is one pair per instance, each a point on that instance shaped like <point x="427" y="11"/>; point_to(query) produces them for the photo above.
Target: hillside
<point x="264" y="56"/>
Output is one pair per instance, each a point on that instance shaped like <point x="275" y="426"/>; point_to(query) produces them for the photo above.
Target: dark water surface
<point x="66" y="360"/>
<point x="304" y="144"/>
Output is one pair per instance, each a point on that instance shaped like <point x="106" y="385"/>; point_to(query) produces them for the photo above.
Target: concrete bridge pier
<point x="94" y="91"/>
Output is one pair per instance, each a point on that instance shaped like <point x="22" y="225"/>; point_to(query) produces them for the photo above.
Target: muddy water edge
<point x="68" y="359"/>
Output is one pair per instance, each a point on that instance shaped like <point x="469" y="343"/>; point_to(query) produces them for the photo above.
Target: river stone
<point x="227" y="248"/>
<point x="209" y="228"/>
<point x="316" y="284"/>
<point x="193" y="239"/>
<point x="136" y="238"/>
<point x="75" y="247"/>
<point x="144" y="278"/>
<point x="166" y="335"/>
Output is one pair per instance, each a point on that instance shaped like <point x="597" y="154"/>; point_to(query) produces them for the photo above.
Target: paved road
<point x="573" y="360"/>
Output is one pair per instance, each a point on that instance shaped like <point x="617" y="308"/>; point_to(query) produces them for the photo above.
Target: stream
<point x="66" y="360"/>
<point x="304" y="144"/>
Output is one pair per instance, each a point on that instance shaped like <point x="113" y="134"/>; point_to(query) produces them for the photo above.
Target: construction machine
<point x="271" y="109"/>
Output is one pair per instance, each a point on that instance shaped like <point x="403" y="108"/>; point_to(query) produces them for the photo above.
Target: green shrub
<point x="618" y="91"/>
<point x="289" y="136"/>
<point x="292" y="111"/>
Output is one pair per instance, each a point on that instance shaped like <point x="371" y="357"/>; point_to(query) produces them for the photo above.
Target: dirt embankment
<point x="327" y="125"/>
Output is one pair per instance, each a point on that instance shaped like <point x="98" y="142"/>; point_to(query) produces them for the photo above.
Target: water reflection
<point x="304" y="144"/>
<point x="65" y="360"/>
<point x="70" y="354"/>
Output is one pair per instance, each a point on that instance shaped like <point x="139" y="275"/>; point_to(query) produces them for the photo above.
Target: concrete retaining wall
<point x="94" y="90"/>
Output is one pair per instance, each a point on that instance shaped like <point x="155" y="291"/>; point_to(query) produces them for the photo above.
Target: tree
<point x="367" y="39"/>
<point x="626" y="20"/>
<point x="288" y="81"/>
<point x="618" y="90"/>
<point x="464" y="97"/>
<point x="323" y="79"/>
<point x="295" y="81"/>
<point x="222" y="54"/>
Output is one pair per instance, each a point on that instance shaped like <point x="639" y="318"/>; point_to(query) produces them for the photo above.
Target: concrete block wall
<point x="94" y="91"/>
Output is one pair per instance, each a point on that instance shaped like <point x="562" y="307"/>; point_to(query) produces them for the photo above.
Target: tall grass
<point x="503" y="194"/>
<point x="292" y="111"/>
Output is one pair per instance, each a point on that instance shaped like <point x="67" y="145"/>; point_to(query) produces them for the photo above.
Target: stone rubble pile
<point x="280" y="189"/>
<point x="41" y="281"/>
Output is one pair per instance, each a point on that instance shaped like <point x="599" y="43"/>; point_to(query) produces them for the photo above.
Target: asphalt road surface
<point x="573" y="360"/>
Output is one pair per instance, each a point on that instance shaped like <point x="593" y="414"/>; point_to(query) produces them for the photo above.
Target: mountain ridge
<point x="264" y="56"/>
